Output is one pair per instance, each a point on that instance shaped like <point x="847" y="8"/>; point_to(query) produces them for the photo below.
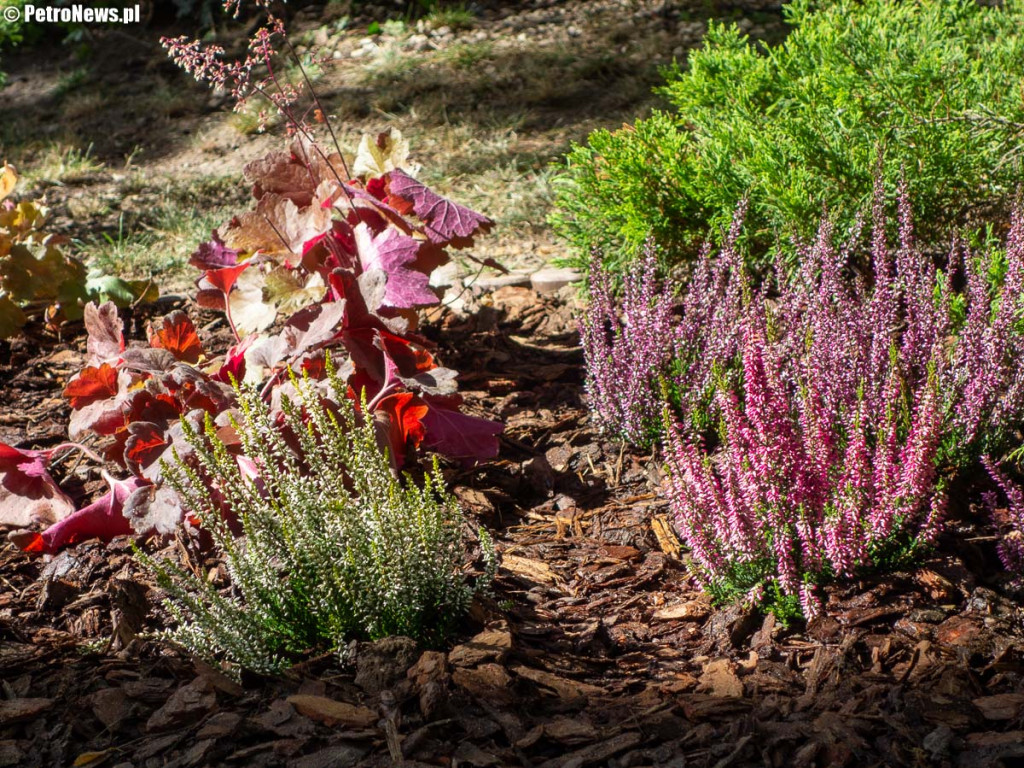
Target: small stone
<point x="498" y="281"/>
<point x="548" y="281"/>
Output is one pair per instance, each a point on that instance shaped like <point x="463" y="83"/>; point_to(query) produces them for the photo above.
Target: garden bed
<point x="593" y="650"/>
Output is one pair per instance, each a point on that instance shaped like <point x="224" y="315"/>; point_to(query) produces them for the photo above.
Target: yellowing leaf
<point x="381" y="153"/>
<point x="91" y="758"/>
<point x="23" y="218"/>
<point x="249" y="312"/>
<point x="8" y="180"/>
<point x="285" y="289"/>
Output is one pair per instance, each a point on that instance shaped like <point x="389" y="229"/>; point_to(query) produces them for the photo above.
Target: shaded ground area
<point x="139" y="163"/>
<point x="594" y="649"/>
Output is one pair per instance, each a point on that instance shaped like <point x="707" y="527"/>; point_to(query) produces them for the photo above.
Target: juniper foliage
<point x="333" y="545"/>
<point x="800" y="125"/>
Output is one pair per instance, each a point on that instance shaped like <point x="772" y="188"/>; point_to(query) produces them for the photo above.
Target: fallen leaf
<point x="28" y="493"/>
<point x="103" y="519"/>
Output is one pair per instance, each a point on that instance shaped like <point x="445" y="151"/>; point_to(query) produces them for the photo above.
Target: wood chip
<point x="489" y="645"/>
<point x="331" y="712"/>
<point x="666" y="536"/>
<point x="564" y="688"/>
<point x="534" y="570"/>
<point x="691" y="610"/>
<point x="1004" y="706"/>
<point x="16" y="710"/>
<point x="186" y="705"/>
<point x="720" y="679"/>
<point x="596" y="753"/>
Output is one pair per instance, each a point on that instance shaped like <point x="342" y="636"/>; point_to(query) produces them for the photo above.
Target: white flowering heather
<point x="333" y="546"/>
<point x="626" y="349"/>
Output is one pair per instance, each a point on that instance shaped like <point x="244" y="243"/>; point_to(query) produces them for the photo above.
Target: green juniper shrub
<point x="934" y="88"/>
<point x="333" y="545"/>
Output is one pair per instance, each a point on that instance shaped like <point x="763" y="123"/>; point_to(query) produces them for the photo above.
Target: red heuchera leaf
<point x="393" y="252"/>
<point x="178" y="336"/>
<point x="224" y="279"/>
<point x="399" y="422"/>
<point x="106" y="333"/>
<point x="28" y="494"/>
<point x="233" y="366"/>
<point x="447" y="222"/>
<point x="456" y="434"/>
<point x="145" y="444"/>
<point x="103" y="519"/>
<point x="92" y="384"/>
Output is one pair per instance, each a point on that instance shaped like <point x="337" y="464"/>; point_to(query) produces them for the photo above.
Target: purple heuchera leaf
<point x="459" y="435"/>
<point x="392" y="252"/>
<point x="213" y="254"/>
<point x="447" y="222"/>
<point x="103" y="519"/>
<point x="28" y="494"/>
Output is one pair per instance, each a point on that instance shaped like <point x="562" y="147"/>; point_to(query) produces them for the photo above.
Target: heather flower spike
<point x="809" y="418"/>
<point x="626" y="350"/>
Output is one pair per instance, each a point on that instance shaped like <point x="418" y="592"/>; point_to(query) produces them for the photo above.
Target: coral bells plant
<point x="331" y="260"/>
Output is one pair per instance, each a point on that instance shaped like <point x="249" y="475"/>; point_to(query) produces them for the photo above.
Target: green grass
<point x="158" y="241"/>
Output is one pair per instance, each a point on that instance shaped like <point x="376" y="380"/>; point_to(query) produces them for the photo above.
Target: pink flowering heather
<point x="1011" y="545"/>
<point x="848" y="395"/>
<point x="626" y="350"/>
<point x="791" y="497"/>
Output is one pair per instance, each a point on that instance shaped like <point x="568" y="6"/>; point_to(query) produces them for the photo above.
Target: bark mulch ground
<point x="595" y="649"/>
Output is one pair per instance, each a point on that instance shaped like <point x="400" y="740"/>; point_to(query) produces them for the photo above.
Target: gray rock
<point x="550" y="280"/>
